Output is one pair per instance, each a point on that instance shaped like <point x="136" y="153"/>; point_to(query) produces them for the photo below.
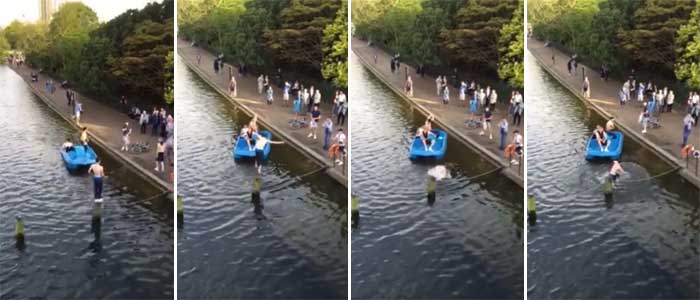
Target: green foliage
<point x="428" y="25"/>
<point x="476" y="32"/>
<point x="688" y="50"/>
<point x="4" y="45"/>
<point x="303" y="35"/>
<point x="335" y="49"/>
<point x="125" y="56"/>
<point x="169" y="78"/>
<point x="510" y="48"/>
<point x="296" y="43"/>
<point x="650" y="42"/>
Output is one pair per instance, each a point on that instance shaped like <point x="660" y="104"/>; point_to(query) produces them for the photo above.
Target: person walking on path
<point x="296" y="107"/>
<point x="98" y="172"/>
<point x="313" y="124"/>
<point x="517" y="109"/>
<point x="445" y="94"/>
<point x="687" y="127"/>
<point x="126" y="132"/>
<point x="155" y="121"/>
<point x="143" y="121"/>
<point x="503" y="127"/>
<point x="328" y="130"/>
<point x="285" y="93"/>
<point x="160" y="156"/>
<point x="586" y="87"/>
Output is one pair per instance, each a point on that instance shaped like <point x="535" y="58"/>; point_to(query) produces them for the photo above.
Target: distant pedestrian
<point x="342" y="112"/>
<point x="487" y="123"/>
<point x="493" y="99"/>
<point x="78" y="110"/>
<point x="269" y="95"/>
<point x="155" y="121"/>
<point x="644" y="117"/>
<point x="438" y="85"/>
<point x="261" y="79"/>
<point x="408" y="88"/>
<point x="233" y="86"/>
<point x="445" y="94"/>
<point x="586" y="87"/>
<point x="670" y="98"/>
<point x="285" y="93"/>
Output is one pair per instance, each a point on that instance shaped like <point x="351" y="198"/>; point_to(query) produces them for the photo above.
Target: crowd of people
<point x="305" y="102"/>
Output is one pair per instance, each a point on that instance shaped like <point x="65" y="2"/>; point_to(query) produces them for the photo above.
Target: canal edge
<point x="319" y="159"/>
<point x="159" y="183"/>
<point x="470" y="143"/>
<point x="667" y="157"/>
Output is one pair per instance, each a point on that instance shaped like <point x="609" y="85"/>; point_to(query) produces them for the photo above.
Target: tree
<point x="297" y="42"/>
<point x="424" y="42"/>
<point x="335" y="49"/>
<point x="168" y="70"/>
<point x="510" y="48"/>
<point x="650" y="43"/>
<point x="476" y="32"/>
<point x="688" y="50"/>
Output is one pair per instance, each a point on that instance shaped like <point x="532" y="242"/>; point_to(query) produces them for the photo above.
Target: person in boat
<point x="98" y="172"/>
<point x="602" y="137"/>
<point x="616" y="170"/>
<point x="84" y="136"/>
<point x="68" y="145"/>
<point x="247" y="134"/>
<point x="427" y="137"/>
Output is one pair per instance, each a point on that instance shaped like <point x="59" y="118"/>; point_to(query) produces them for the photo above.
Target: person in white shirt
<point x="339" y="138"/>
<point x="493" y="99"/>
<point x="438" y="85"/>
<point x="518" y="142"/>
<point x="126" y="132"/>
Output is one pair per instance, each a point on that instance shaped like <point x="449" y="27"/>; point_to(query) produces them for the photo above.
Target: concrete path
<point x="452" y="115"/>
<point x="103" y="123"/>
<point x="275" y="117"/>
<point x="665" y="141"/>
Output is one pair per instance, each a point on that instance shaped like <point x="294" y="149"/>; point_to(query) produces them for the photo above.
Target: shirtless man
<point x="616" y="170"/>
<point x="98" y="172"/>
<point x="602" y="138"/>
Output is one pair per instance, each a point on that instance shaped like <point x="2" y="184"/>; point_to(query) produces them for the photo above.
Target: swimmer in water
<point x="602" y="137"/>
<point x="610" y="125"/>
<point x="616" y="170"/>
<point x="68" y="145"/>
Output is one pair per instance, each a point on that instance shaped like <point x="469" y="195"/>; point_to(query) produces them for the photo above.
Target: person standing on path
<point x="487" y="123"/>
<point x="518" y="142"/>
<point x="687" y="127"/>
<point x="261" y="79"/>
<point x="503" y="127"/>
<point x="270" y="95"/>
<point x="644" y="117"/>
<point x="438" y="85"/>
<point x="493" y="99"/>
<point x="317" y="98"/>
<point x="98" y="172"/>
<point x="78" y="109"/>
<point x="342" y="112"/>
<point x="669" y="101"/>
<point x="445" y="94"/>
<point x="409" y="87"/>
<point x="84" y="136"/>
<point x="306" y="97"/>
<point x="233" y="86"/>
<point x="160" y="156"/>
<point x="517" y="109"/>
<point x="285" y="93"/>
<point x="143" y="121"/>
<point x="327" y="129"/>
<point x="126" y="131"/>
<point x="313" y="124"/>
<point x="586" y="87"/>
<point x="155" y="121"/>
<point x="339" y="139"/>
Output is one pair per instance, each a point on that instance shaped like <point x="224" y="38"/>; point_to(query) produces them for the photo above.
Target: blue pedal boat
<point x="614" y="149"/>
<point x="241" y="150"/>
<point x="78" y="158"/>
<point x="418" y="151"/>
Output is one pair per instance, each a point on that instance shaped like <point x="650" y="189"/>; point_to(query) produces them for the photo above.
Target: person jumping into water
<point x="98" y="172"/>
<point x="602" y="137"/>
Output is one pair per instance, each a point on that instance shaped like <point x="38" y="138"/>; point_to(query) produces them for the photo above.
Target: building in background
<point x="46" y="10"/>
<point x="48" y="7"/>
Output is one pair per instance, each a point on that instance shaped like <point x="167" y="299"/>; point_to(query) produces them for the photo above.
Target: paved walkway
<point x="453" y="114"/>
<point x="666" y="139"/>
<point x="276" y="115"/>
<point x="104" y="122"/>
